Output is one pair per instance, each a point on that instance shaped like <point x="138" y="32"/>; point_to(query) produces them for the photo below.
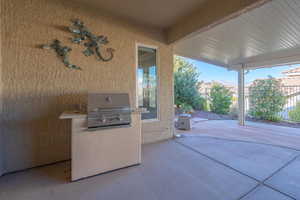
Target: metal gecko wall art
<point x="93" y="44"/>
<point x="62" y="51"/>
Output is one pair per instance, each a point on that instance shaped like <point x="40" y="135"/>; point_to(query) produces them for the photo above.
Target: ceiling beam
<point x="202" y="59"/>
<point x="210" y="14"/>
<point x="272" y="59"/>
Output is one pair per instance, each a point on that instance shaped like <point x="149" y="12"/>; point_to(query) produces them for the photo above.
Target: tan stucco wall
<point x="37" y="87"/>
<point x="1" y="107"/>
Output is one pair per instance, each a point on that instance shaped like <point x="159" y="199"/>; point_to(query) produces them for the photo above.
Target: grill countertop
<point x="80" y="115"/>
<point x="72" y="115"/>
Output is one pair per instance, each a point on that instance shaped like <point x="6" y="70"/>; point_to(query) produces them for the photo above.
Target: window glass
<point x="147" y="82"/>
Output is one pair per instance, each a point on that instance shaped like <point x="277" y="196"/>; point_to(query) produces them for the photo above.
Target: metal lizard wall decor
<point x="63" y="52"/>
<point x="93" y="44"/>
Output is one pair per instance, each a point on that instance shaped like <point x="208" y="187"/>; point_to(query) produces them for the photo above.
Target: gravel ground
<point x="212" y="116"/>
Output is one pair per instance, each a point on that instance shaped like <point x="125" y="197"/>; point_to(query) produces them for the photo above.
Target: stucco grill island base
<point x="99" y="151"/>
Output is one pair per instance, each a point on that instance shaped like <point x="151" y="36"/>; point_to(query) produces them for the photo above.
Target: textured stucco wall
<point x="1" y="106"/>
<point x="37" y="87"/>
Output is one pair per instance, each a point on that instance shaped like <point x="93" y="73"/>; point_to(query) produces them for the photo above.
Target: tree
<point x="186" y="84"/>
<point x="266" y="99"/>
<point x="220" y="98"/>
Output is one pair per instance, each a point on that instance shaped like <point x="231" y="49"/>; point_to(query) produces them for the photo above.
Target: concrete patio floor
<point x="190" y="167"/>
<point x="252" y="132"/>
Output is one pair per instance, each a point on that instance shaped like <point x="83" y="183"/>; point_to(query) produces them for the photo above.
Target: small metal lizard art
<point x="62" y="51"/>
<point x="93" y="43"/>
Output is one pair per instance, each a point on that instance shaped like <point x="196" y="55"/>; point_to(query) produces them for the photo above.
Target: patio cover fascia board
<point x="213" y="62"/>
<point x="272" y="59"/>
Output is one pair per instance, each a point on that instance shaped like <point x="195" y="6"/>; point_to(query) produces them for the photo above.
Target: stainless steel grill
<point x="108" y="110"/>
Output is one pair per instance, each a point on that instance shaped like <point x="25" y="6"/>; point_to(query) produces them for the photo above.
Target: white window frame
<point x="137" y="45"/>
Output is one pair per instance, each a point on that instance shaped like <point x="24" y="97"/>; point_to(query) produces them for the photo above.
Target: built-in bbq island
<point x="105" y="138"/>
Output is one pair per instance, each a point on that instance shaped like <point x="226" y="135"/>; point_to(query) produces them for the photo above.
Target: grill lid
<point x="107" y="101"/>
<point x="108" y="110"/>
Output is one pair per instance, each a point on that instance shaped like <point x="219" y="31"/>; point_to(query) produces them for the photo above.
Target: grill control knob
<point x="119" y="117"/>
<point x="108" y="99"/>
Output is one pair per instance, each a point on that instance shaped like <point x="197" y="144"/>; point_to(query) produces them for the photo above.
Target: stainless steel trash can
<point x="184" y="122"/>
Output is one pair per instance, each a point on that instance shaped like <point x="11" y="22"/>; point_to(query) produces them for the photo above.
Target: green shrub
<point x="198" y="102"/>
<point x="206" y="105"/>
<point x="186" y="84"/>
<point x="274" y="118"/>
<point x="266" y="99"/>
<point x="221" y="99"/>
<point x="295" y="114"/>
<point x="186" y="108"/>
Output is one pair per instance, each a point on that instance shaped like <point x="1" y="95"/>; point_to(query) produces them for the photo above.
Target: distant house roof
<point x="290" y="81"/>
<point x="292" y="72"/>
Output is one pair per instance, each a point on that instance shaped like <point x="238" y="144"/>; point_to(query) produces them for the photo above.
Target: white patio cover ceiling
<point x="264" y="37"/>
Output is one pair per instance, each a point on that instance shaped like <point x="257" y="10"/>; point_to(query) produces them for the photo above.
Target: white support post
<point x="241" y="95"/>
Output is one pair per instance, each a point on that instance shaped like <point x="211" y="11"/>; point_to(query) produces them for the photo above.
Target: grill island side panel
<point x="96" y="152"/>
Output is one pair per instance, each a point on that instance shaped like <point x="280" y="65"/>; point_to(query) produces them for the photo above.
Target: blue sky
<point x="212" y="72"/>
